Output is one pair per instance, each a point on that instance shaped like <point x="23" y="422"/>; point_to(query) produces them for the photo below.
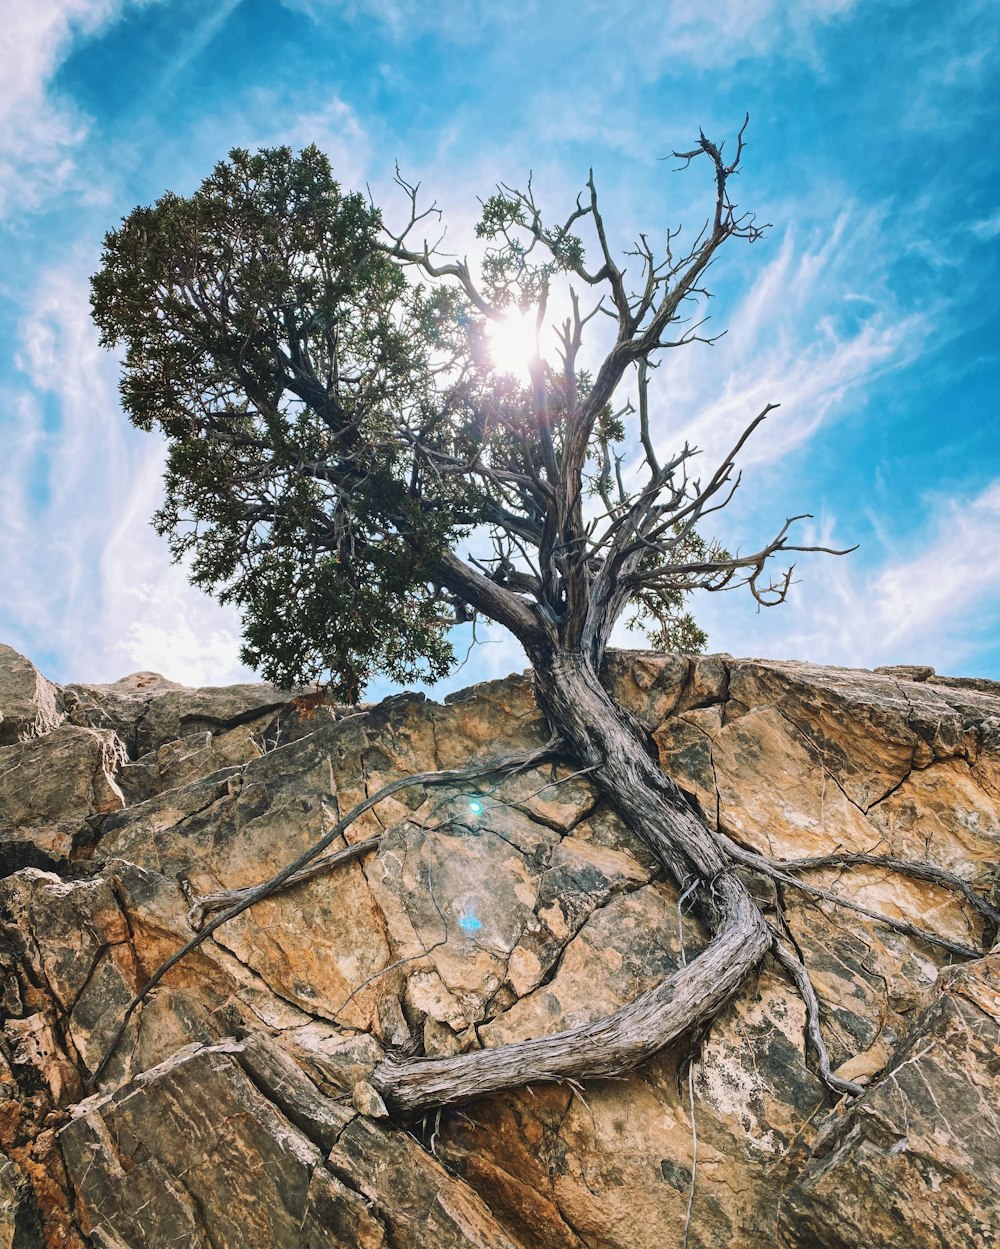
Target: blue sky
<point x="869" y="312"/>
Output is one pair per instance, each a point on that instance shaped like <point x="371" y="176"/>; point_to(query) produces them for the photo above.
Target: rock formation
<point x="235" y="1111"/>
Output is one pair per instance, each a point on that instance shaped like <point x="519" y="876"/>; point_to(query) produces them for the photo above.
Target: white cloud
<point x="945" y="584"/>
<point x="939" y="604"/>
<point x="987" y="228"/>
<point x="817" y="326"/>
<point x="730" y="30"/>
<point x="628" y="36"/>
<point x="337" y="131"/>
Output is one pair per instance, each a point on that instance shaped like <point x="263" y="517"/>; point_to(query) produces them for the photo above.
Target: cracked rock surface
<point x="236" y="1111"/>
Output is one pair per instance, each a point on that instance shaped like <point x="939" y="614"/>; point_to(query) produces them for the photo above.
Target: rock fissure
<point x="276" y="991"/>
<point x="828" y="774"/>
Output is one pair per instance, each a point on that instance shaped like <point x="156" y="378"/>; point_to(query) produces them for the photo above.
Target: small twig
<point x="688" y="891"/>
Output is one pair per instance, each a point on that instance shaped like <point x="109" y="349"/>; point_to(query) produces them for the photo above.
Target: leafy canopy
<point x="278" y="347"/>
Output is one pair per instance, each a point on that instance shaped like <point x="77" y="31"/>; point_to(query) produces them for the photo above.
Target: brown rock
<point x="194" y="1152"/>
<point x="633" y="941"/>
<point x="55" y="791"/>
<point x="190" y="759"/>
<point x="492" y="913"/>
<point x="417" y="1198"/>
<point x="20" y="1224"/>
<point x="80" y="943"/>
<point x="906" y="672"/>
<point x="473" y="723"/>
<point x="147" y="711"/>
<point x="647" y="683"/>
<point x="897" y="1168"/>
<point x="484" y="903"/>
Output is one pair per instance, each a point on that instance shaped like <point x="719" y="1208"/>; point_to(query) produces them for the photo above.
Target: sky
<point x="869" y="311"/>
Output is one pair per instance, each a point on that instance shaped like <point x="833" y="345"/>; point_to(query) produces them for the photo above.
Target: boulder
<point x="54" y="793"/>
<point x="915" y="1163"/>
<point x="147" y="711"/>
<point x="230" y="1145"/>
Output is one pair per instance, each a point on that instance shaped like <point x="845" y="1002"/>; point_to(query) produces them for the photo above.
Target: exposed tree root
<point x="919" y="871"/>
<point x="606" y="1047"/>
<point x="209" y="903"/>
<point x="280" y="880"/>
<point x="795" y="967"/>
<point x="700" y="861"/>
<point x="774" y="869"/>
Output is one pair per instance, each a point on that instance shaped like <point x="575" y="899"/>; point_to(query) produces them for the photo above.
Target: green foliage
<point x="660" y="611"/>
<point x="512" y="275"/>
<point x="277" y="347"/>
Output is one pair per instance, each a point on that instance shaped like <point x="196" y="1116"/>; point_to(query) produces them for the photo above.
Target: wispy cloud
<point x="817" y="326"/>
<point x="40" y="129"/>
<point x="952" y="580"/>
<point x="336" y="129"/>
<point x="83" y="573"/>
<point x="987" y="228"/>
<point x="730" y="30"/>
<point x="197" y="40"/>
<point x="944" y="99"/>
<point x="938" y="603"/>
<point x="705" y="36"/>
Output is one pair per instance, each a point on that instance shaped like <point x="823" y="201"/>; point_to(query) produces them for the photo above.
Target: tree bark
<point x="603" y="737"/>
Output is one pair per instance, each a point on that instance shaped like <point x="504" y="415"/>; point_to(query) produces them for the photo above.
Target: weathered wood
<point x="209" y="903"/>
<point x="606" y="1047"/>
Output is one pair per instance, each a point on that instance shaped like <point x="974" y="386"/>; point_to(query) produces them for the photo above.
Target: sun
<point x="512" y="343"/>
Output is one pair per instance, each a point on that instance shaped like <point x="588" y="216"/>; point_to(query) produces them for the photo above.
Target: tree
<point x="337" y="433"/>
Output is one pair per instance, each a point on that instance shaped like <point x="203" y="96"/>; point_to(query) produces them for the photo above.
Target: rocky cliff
<point x="235" y="1114"/>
